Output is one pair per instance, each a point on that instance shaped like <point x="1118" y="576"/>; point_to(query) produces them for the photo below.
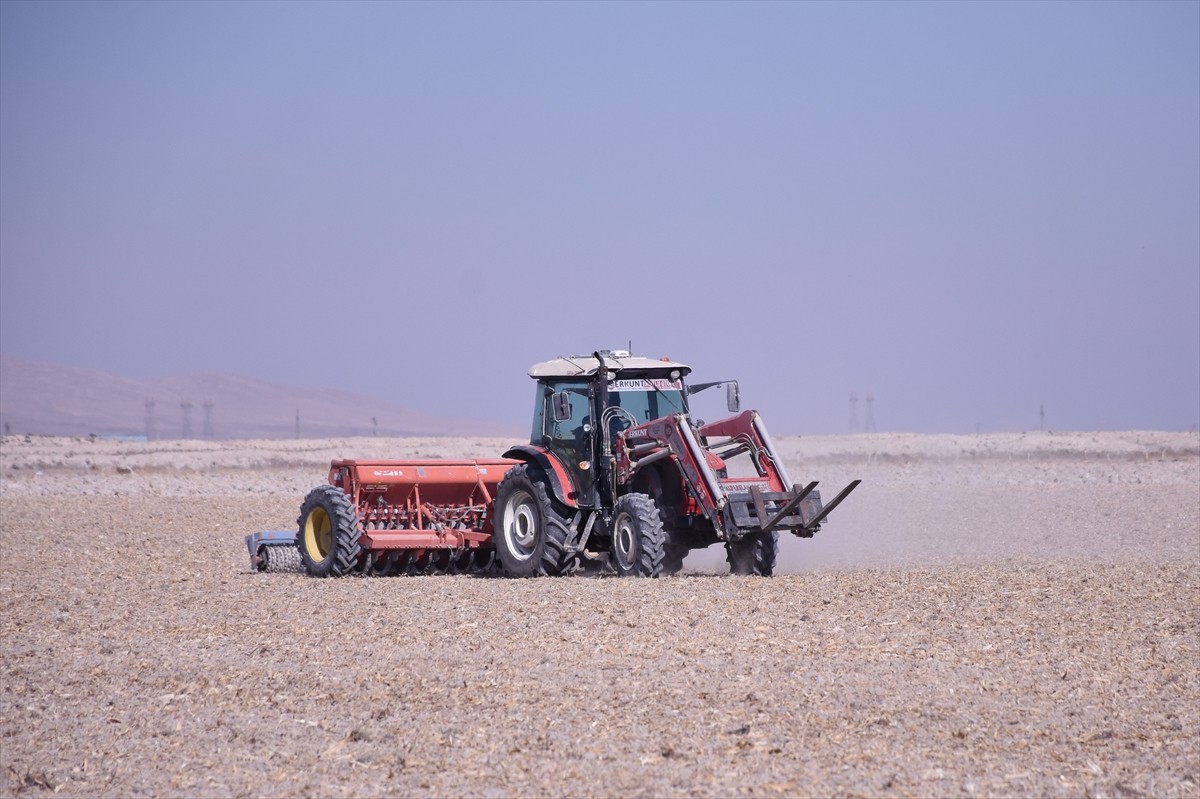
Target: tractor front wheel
<point x="329" y="533"/>
<point x="530" y="531"/>
<point x="673" y="556"/>
<point x="638" y="537"/>
<point x="755" y="554"/>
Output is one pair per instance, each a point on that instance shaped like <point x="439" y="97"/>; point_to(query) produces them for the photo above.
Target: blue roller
<point x="257" y="542"/>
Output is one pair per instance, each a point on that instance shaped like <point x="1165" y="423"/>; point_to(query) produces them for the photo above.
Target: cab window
<point x="561" y="411"/>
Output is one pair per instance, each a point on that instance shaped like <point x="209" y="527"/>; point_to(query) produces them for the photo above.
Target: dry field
<point x="996" y="615"/>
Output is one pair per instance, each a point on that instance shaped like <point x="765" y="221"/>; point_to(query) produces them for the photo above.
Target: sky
<point x="971" y="212"/>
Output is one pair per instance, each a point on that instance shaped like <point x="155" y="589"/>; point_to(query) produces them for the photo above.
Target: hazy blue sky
<point x="968" y="209"/>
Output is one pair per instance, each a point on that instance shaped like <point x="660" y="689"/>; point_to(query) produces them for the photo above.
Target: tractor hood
<point x="616" y="360"/>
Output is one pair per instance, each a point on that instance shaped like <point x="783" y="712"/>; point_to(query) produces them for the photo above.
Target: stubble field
<point x="994" y="615"/>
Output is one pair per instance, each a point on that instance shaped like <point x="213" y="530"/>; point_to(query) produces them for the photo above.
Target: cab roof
<point x="616" y="360"/>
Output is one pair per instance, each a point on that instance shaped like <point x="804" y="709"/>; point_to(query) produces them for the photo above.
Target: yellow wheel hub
<point x="318" y="534"/>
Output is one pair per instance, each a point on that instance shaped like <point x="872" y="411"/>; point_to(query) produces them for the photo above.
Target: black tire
<point x="675" y="547"/>
<point x="329" y="533"/>
<point x="753" y="555"/>
<point x="673" y="555"/>
<point x="675" y="543"/>
<point x="530" y="529"/>
<point x="637" y="537"/>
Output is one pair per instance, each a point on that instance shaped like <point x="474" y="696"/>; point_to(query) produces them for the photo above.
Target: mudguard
<point x="560" y="480"/>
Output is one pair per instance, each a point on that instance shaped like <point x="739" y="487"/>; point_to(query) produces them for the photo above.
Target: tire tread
<point x="346" y="555"/>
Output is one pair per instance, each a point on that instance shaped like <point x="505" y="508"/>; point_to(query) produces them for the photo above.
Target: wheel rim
<point x="521" y="525"/>
<point x="624" y="541"/>
<point x="318" y="534"/>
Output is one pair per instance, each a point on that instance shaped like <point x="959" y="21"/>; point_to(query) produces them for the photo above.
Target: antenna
<point x="871" y="412"/>
<point x="374" y="426"/>
<point x="151" y="433"/>
<point x="208" y="429"/>
<point x="186" y="407"/>
<point x="1042" y="417"/>
<point x="297" y="423"/>
<point x="853" y="412"/>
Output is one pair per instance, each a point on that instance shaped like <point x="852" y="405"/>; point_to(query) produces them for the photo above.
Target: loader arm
<point x="736" y="506"/>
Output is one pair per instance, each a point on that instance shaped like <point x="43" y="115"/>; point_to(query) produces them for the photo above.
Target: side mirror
<point x="733" y="400"/>
<point x="562" y="406"/>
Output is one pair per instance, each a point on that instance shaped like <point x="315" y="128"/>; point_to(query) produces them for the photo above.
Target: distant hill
<point x="44" y="399"/>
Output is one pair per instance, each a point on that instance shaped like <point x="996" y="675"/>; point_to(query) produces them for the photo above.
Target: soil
<point x="986" y="615"/>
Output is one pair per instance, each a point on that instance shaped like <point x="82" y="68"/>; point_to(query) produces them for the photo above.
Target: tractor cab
<point x="582" y="403"/>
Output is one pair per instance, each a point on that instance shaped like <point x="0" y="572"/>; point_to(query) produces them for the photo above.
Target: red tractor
<point x="617" y="474"/>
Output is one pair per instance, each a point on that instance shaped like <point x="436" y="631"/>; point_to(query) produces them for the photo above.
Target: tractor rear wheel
<point x="755" y="554"/>
<point x="638" y="537"/>
<point x="530" y="529"/>
<point x="329" y="533"/>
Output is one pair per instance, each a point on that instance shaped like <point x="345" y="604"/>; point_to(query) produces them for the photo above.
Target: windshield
<point x="646" y="399"/>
